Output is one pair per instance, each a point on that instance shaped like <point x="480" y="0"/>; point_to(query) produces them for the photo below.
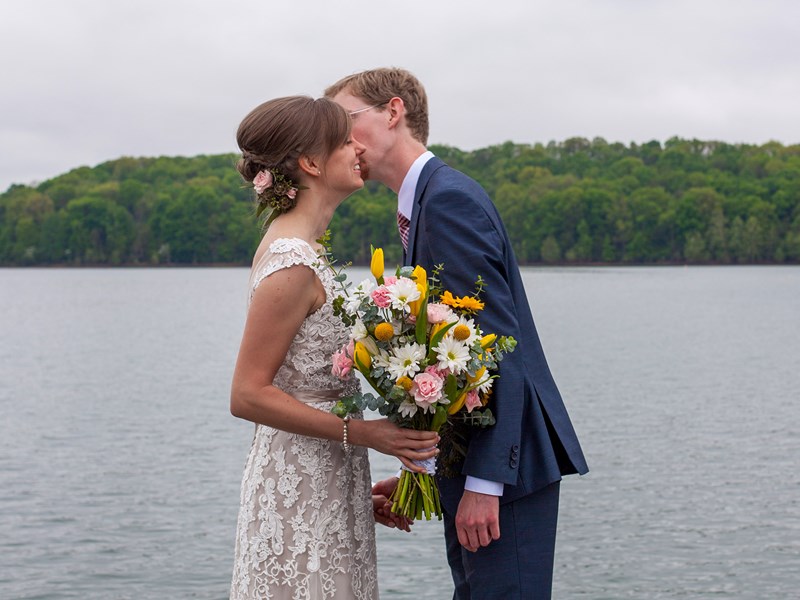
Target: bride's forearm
<point x="275" y="408"/>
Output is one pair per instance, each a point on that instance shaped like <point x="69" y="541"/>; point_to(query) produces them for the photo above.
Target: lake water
<point x="120" y="463"/>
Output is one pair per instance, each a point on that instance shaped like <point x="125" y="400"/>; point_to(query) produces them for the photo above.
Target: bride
<point x="305" y="526"/>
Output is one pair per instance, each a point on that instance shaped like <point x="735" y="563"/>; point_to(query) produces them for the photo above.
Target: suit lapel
<point x="422" y="183"/>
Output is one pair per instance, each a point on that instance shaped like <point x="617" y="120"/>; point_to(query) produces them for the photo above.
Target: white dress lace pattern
<point x="305" y="529"/>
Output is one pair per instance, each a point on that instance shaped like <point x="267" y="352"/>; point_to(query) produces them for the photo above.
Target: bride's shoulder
<point x="282" y="253"/>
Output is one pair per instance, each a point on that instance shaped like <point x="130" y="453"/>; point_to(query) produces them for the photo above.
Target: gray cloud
<point x="86" y="81"/>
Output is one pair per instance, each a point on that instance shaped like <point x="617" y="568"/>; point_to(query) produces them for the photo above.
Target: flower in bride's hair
<point x="262" y="181"/>
<point x="292" y="193"/>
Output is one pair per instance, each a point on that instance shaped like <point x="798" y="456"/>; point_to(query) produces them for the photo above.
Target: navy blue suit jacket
<point x="533" y="442"/>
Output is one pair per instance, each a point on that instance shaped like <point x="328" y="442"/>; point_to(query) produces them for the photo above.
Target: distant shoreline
<point x="366" y="265"/>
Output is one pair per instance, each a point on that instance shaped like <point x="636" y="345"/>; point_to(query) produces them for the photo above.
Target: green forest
<point x="578" y="201"/>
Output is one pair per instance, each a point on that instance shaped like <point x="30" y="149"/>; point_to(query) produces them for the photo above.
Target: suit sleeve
<point x="458" y="232"/>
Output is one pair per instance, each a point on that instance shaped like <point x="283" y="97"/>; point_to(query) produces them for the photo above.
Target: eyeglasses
<point x="353" y="113"/>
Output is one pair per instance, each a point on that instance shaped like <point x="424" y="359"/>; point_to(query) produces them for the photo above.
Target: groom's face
<point x="368" y="125"/>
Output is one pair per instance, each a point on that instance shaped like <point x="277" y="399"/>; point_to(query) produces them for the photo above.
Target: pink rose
<point x="472" y="401"/>
<point x="292" y="193"/>
<point x="381" y="297"/>
<point x="262" y="181"/>
<point x="427" y="389"/>
<point x="343" y="361"/>
<point x="439" y="313"/>
<point x="437" y="372"/>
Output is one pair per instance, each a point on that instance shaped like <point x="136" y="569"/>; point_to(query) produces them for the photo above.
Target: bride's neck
<point x="308" y="221"/>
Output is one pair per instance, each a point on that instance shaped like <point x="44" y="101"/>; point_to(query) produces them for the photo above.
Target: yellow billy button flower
<point x="405" y="383"/>
<point x="488" y="340"/>
<point x="384" y="331"/>
<point x="461" y="332"/>
<point x="376" y="264"/>
<point x="362" y="357"/>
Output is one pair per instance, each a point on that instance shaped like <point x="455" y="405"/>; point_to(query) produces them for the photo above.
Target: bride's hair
<point x="275" y="134"/>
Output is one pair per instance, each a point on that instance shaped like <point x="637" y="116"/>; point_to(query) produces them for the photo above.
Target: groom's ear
<point x="309" y="165"/>
<point x="396" y="109"/>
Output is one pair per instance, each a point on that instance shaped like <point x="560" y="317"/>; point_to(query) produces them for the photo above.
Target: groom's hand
<point x="382" y="506"/>
<point x="477" y="520"/>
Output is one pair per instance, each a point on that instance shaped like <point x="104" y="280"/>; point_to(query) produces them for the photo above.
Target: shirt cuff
<point x="482" y="486"/>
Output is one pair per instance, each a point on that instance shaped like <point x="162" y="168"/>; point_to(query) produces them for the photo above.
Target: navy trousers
<point x="519" y="565"/>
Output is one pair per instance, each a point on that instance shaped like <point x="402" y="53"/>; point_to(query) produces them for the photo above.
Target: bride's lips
<point x="363" y="169"/>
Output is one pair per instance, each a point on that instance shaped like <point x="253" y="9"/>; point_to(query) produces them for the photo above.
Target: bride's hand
<point x="406" y="444"/>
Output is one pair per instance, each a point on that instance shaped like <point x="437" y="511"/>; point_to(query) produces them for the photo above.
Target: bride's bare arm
<point x="279" y="306"/>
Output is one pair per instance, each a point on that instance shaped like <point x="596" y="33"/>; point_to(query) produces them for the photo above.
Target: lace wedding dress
<point x="305" y="528"/>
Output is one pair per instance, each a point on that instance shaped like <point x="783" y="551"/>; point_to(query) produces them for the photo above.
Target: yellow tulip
<point x="435" y="329"/>
<point x="420" y="277"/>
<point x="456" y="406"/>
<point x="362" y="357"/>
<point x="488" y="340"/>
<point x="376" y="264"/>
<point x="478" y="375"/>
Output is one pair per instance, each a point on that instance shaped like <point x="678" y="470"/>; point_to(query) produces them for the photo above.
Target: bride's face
<point x="342" y="170"/>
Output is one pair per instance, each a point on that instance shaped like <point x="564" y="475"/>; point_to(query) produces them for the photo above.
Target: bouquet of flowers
<point x="421" y="351"/>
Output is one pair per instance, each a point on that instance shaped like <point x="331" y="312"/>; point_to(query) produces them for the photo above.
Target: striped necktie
<point x="402" y="226"/>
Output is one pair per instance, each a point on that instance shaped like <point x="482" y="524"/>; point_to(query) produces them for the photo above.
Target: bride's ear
<point x="310" y="165"/>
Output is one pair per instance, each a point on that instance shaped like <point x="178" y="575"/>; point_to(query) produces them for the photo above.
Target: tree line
<point x="578" y="201"/>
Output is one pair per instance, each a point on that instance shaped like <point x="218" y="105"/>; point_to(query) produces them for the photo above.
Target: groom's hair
<point x="378" y="86"/>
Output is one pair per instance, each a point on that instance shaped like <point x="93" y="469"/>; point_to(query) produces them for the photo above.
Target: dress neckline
<point x="292" y="239"/>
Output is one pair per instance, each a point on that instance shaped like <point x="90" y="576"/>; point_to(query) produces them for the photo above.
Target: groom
<point x="500" y="513"/>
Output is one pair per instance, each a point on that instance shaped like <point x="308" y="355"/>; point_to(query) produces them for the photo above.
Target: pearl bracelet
<point x="345" y="445"/>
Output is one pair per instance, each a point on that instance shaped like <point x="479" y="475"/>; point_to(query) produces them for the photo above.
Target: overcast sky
<point x="85" y="81"/>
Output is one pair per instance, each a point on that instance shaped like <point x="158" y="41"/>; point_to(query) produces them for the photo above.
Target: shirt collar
<point x="405" y="197"/>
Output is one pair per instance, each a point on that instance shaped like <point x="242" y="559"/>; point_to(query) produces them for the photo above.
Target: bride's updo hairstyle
<point x="273" y="137"/>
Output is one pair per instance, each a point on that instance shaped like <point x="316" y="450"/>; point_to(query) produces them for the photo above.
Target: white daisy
<point x="407" y="408"/>
<point x="359" y="331"/>
<point x="361" y="291"/>
<point x="381" y="359"/>
<point x="486" y="384"/>
<point x="402" y="292"/>
<point x="474" y="334"/>
<point x="452" y="354"/>
<point x="405" y="361"/>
